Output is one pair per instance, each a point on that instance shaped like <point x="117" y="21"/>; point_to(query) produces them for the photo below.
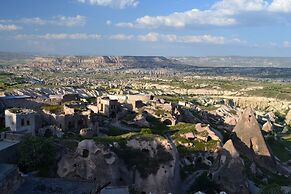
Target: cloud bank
<point x="221" y="13"/>
<point x="66" y="21"/>
<point x="119" y="4"/>
<point x="10" y="27"/>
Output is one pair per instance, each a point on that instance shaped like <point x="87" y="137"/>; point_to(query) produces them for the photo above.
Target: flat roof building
<point x="20" y="120"/>
<point x="107" y="107"/>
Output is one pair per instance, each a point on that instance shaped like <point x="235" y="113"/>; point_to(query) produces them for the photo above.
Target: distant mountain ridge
<point x="236" y="61"/>
<point x="117" y="62"/>
<point x="151" y="61"/>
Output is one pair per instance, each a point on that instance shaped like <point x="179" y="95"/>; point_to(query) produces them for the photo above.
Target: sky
<point x="147" y="27"/>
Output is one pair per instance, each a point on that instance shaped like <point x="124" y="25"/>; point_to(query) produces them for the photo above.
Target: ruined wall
<point x="8" y="155"/>
<point x="21" y="121"/>
<point x="10" y="179"/>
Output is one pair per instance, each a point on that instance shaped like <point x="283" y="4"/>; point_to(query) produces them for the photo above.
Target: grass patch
<point x="279" y="91"/>
<point x="115" y="132"/>
<point x="181" y="128"/>
<point x="278" y="148"/>
<point x="197" y="146"/>
<point x="53" y="108"/>
<point x="156" y="126"/>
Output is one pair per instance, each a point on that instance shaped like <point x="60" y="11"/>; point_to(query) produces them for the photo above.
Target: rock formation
<point x="267" y="127"/>
<point x="228" y="170"/>
<point x="288" y="118"/>
<point x="103" y="164"/>
<point x="250" y="141"/>
<point x="262" y="103"/>
<point x="214" y="135"/>
<point x="92" y="162"/>
<point x="140" y="120"/>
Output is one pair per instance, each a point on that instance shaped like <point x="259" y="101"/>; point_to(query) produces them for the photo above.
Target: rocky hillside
<point x="148" y="164"/>
<point x="117" y="62"/>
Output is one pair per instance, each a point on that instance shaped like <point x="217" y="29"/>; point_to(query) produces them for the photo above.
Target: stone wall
<point x="10" y="179"/>
<point x="8" y="154"/>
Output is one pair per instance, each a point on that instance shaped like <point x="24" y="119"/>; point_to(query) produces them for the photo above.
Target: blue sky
<point x="147" y="27"/>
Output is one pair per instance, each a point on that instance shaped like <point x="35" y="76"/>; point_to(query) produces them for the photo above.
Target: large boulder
<point x="212" y="134"/>
<point x="267" y="127"/>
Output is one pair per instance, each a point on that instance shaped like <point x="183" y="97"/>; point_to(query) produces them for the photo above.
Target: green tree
<point x="36" y="154"/>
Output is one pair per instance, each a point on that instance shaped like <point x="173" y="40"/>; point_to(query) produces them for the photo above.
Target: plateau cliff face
<point x="117" y="62"/>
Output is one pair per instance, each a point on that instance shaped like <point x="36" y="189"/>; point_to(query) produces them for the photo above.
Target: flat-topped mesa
<point x="250" y="140"/>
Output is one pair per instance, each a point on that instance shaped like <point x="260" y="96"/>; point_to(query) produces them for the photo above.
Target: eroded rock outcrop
<point x="267" y="127"/>
<point x="228" y="170"/>
<point x="213" y="134"/>
<point x="262" y="103"/>
<point x="92" y="162"/>
<point x="134" y="162"/>
<point x="141" y="121"/>
<point x="250" y="141"/>
<point x="288" y="118"/>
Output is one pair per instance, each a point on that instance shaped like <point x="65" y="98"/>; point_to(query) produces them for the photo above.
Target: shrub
<point x="203" y="183"/>
<point x="53" y="108"/>
<point x="146" y="131"/>
<point x="271" y="189"/>
<point x="36" y="154"/>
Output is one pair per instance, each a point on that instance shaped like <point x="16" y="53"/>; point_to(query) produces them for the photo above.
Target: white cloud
<point x="77" y="20"/>
<point x="173" y="38"/>
<point x="221" y="13"/>
<point x="108" y="22"/>
<point x="9" y="27"/>
<point x="153" y="37"/>
<point x="280" y="6"/>
<point x="182" y="19"/>
<point x="121" y="37"/>
<point x="125" y="24"/>
<point x="149" y="37"/>
<point x="119" y="4"/>
<point x="69" y="21"/>
<point x="240" y="5"/>
<point x="62" y="36"/>
<point x="287" y="44"/>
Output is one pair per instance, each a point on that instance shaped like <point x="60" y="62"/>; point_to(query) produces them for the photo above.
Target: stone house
<point x="132" y="101"/>
<point x="108" y="107"/>
<point x="64" y="98"/>
<point x="73" y="119"/>
<point x="19" y="120"/>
